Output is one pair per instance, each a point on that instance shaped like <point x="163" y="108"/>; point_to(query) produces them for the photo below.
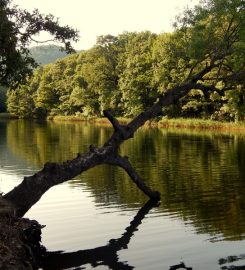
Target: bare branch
<point x="117" y="127"/>
<point x="33" y="187"/>
<point x="43" y="41"/>
<point x="124" y="163"/>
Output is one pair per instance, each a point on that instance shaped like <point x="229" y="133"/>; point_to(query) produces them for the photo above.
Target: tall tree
<point x="97" y="67"/>
<point x="137" y="71"/>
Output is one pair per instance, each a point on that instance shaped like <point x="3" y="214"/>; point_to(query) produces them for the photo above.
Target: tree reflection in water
<point x="103" y="255"/>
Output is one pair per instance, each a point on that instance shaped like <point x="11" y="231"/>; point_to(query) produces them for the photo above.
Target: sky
<point x="100" y="17"/>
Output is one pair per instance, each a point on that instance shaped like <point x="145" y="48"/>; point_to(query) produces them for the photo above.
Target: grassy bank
<point x="94" y="120"/>
<point x="182" y="123"/>
<point x="201" y="124"/>
<point x="176" y="123"/>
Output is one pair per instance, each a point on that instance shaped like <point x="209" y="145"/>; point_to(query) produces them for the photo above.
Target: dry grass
<point x="178" y="123"/>
<point x="201" y="124"/>
<point x="94" y="120"/>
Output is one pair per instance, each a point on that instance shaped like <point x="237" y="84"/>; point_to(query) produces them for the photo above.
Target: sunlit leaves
<point x="127" y="73"/>
<point x="136" y="79"/>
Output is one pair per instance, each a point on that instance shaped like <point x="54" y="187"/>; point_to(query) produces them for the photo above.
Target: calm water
<point x="101" y="220"/>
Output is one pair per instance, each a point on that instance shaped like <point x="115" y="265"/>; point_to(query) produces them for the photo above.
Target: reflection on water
<point x="227" y="263"/>
<point x="200" y="176"/>
<point x="104" y="255"/>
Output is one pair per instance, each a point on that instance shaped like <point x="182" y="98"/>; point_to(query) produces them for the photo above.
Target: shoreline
<point x="20" y="240"/>
<point x="174" y="123"/>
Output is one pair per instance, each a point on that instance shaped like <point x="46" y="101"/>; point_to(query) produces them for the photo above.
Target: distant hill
<point x="45" y="54"/>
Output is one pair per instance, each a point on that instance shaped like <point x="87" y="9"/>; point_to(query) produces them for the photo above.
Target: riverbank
<point x="19" y="240"/>
<point x="201" y="124"/>
<point x="177" y="123"/>
<point x="94" y="120"/>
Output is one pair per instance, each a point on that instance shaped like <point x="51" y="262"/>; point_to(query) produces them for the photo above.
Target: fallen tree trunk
<point x="27" y="193"/>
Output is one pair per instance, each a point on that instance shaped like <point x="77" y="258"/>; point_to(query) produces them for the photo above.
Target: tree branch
<point x="117" y="127"/>
<point x="27" y="193"/>
<point x="124" y="163"/>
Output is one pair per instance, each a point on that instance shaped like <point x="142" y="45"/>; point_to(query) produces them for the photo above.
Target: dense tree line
<point x="42" y="54"/>
<point x="127" y="73"/>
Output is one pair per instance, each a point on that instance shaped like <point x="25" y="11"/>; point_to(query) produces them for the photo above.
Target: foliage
<point x="18" y="29"/>
<point x="135" y="81"/>
<point x="128" y="72"/>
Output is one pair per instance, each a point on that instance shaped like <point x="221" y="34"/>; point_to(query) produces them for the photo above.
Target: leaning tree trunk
<point x="27" y="193"/>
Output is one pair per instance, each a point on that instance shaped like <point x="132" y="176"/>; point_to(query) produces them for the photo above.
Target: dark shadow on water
<point x="180" y="266"/>
<point x="103" y="255"/>
<point x="230" y="260"/>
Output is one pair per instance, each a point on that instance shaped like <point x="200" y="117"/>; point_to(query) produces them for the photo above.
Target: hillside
<point x="46" y="54"/>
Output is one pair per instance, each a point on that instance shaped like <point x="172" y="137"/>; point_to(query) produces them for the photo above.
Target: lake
<point x="101" y="220"/>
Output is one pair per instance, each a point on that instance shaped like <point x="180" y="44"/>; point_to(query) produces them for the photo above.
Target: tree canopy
<point x="18" y="28"/>
<point x="128" y="72"/>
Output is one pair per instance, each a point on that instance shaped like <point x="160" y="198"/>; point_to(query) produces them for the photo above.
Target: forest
<point x="128" y="72"/>
<point x="42" y="54"/>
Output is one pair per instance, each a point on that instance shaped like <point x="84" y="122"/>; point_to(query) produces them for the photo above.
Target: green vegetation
<point x="18" y="29"/>
<point x="174" y="123"/>
<point x="201" y="124"/>
<point x="126" y="73"/>
<point x="46" y="54"/>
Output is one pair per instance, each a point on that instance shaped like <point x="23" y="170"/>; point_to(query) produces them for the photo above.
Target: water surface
<point x="201" y="176"/>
